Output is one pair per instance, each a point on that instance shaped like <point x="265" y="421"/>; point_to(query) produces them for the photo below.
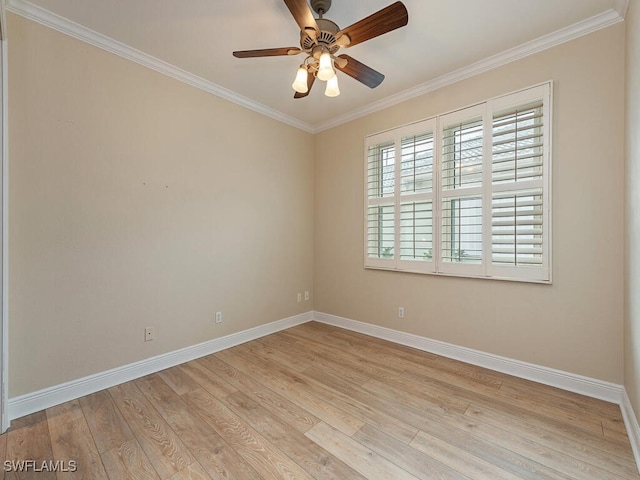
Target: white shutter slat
<point x="380" y="231"/>
<point x="416" y="231"/>
<point x="416" y="163"/>
<point x="461" y="236"/>
<point x="462" y="154"/>
<point x="522" y="152"/>
<point x="516" y="228"/>
<point x="531" y="115"/>
<point x="517" y="143"/>
<point x="381" y="170"/>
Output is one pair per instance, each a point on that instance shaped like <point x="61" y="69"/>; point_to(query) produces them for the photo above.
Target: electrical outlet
<point x="148" y="334"/>
<point x="218" y="317"/>
<point x="299" y="297"/>
<point x="306" y="295"/>
<point x="400" y="312"/>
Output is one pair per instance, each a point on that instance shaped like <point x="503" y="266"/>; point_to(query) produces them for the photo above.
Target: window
<point x="464" y="193"/>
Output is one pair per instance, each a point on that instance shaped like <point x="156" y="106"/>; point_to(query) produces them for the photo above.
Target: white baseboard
<point x="591" y="387"/>
<point x="48" y="397"/>
<point x="631" y="423"/>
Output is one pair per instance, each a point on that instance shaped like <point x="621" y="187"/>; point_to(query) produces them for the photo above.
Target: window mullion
<point x="397" y="200"/>
<point x="437" y="196"/>
<point x="487" y="183"/>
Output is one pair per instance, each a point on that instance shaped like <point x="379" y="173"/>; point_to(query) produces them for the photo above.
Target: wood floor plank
<point x="557" y="409"/>
<point x="514" y="440"/>
<point x="72" y="440"/>
<point x="109" y="428"/>
<point x="313" y="459"/>
<point x="615" y="430"/>
<point x="420" y="395"/>
<point x="294" y="415"/>
<point x="325" y="360"/>
<point x="329" y="390"/>
<point x="64" y="413"/>
<point x="473" y="392"/>
<point x="278" y="339"/>
<point x="354" y="408"/>
<point x="454" y="428"/>
<point x="574" y="433"/>
<point x="374" y="344"/>
<point x="128" y="462"/>
<point x="272" y="348"/>
<point x="362" y="363"/>
<point x="31" y="442"/>
<point x="163" y="447"/>
<point x="356" y="455"/>
<point x="407" y="458"/>
<point x="554" y="394"/>
<point x="622" y="467"/>
<point x="459" y="459"/>
<point x="178" y="380"/>
<point x="206" y="445"/>
<point x="203" y="377"/>
<point x="429" y="372"/>
<point x="267" y="460"/>
<point x="192" y="472"/>
<point x="327" y="412"/>
<point x="3" y="454"/>
<point x="28" y="420"/>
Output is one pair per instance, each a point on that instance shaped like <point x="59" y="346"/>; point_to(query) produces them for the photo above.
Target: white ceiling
<point x="443" y="38"/>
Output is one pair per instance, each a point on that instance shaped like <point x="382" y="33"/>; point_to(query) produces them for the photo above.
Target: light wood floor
<point x="317" y="402"/>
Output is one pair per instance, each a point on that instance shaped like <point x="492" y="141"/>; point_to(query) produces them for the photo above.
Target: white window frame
<point x="486" y="268"/>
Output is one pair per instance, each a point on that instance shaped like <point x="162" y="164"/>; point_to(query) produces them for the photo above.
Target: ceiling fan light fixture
<point x="332" y="89"/>
<point x="321" y="39"/>
<point x="300" y="83"/>
<point x="325" y="69"/>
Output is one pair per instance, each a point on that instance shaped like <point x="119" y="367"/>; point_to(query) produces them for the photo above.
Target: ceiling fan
<point x="320" y="40"/>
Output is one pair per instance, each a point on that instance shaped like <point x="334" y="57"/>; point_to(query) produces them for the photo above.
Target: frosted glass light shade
<point x="325" y="70"/>
<point x="300" y="83"/>
<point x="332" y="89"/>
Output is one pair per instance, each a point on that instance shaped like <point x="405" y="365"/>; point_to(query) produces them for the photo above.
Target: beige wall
<point x="138" y="201"/>
<point x="576" y="324"/>
<point x="632" y="304"/>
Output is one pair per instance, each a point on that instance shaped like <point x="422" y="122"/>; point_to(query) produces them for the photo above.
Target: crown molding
<point x="75" y="30"/>
<point x="621" y="6"/>
<point x="63" y="25"/>
<point x="585" y="27"/>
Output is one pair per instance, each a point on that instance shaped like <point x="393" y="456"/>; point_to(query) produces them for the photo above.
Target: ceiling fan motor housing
<point x="326" y="36"/>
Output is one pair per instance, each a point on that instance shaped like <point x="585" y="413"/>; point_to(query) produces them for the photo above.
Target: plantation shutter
<point x="516" y="228"/>
<point x="399" y="198"/>
<point x="415" y="209"/>
<point x="461" y="204"/>
<point x="465" y="193"/>
<point x="517" y="144"/>
<point x="380" y="217"/>
<point x="519" y="202"/>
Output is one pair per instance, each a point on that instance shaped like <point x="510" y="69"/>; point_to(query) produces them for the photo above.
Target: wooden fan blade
<point x="360" y="71"/>
<point x="388" y="19"/>
<point x="267" y="52"/>
<point x="302" y="14"/>
<point x="310" y="79"/>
